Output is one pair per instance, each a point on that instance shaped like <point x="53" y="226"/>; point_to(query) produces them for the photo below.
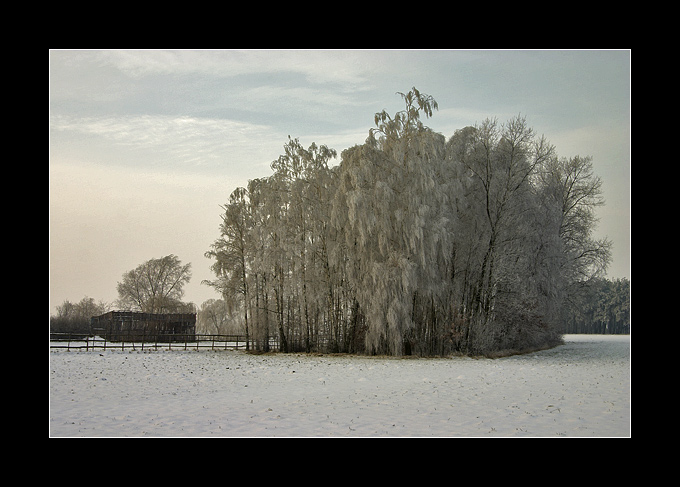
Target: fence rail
<point x="73" y="341"/>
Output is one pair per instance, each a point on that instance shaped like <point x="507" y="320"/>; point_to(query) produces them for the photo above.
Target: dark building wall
<point x="117" y="325"/>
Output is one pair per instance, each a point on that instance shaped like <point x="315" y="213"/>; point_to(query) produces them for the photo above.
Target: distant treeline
<point x="601" y="306"/>
<point x="75" y="317"/>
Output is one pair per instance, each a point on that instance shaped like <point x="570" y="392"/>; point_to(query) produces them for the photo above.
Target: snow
<point x="579" y="389"/>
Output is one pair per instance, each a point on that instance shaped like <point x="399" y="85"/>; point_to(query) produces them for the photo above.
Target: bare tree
<point x="156" y="286"/>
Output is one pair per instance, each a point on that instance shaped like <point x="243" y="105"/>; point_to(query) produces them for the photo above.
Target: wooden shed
<point x="123" y="325"/>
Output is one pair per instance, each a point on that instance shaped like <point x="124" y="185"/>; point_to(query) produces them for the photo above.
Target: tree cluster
<point x="413" y="244"/>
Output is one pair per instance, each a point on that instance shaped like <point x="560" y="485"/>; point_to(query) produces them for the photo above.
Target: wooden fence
<point x="73" y="341"/>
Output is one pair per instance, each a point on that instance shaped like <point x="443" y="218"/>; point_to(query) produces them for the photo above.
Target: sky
<point x="144" y="146"/>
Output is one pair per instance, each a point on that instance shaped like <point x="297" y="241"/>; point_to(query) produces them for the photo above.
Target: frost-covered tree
<point x="495" y="217"/>
<point x="394" y="227"/>
<point x="303" y="177"/>
<point x="231" y="252"/>
<point x="575" y="192"/>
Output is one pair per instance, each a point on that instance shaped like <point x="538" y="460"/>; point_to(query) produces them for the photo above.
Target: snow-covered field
<point x="579" y="389"/>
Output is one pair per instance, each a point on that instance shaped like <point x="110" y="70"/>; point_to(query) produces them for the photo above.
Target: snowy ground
<point x="579" y="389"/>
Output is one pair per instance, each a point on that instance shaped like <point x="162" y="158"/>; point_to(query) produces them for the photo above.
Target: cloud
<point x="348" y="68"/>
<point x="177" y="142"/>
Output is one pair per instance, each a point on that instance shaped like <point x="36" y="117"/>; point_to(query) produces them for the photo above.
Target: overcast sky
<point x="146" y="145"/>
